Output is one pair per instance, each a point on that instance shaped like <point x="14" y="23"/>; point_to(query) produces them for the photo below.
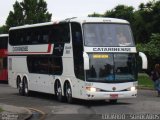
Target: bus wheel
<point x="20" y="86"/>
<point x="26" y="91"/>
<point x="58" y="91"/>
<point x="68" y="93"/>
<point x="113" y="101"/>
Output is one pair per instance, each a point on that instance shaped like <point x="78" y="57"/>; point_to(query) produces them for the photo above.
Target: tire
<point x="20" y="86"/>
<point x="68" y="93"/>
<point x="58" y="91"/>
<point x="26" y="91"/>
<point x="113" y="101"/>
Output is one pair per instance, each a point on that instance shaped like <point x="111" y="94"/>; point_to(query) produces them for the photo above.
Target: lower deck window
<point x="45" y="65"/>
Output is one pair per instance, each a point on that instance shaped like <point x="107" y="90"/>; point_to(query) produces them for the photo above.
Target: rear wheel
<point x="68" y="93"/>
<point x="26" y="91"/>
<point x="58" y="91"/>
<point x="20" y="86"/>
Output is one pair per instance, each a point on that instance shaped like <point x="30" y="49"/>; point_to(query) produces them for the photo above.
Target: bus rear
<point x="3" y="57"/>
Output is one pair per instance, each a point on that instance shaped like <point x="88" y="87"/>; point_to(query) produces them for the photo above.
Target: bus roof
<point x="3" y="35"/>
<point x="75" y="19"/>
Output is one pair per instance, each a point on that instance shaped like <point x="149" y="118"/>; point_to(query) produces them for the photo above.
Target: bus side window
<point x="55" y="65"/>
<point x="77" y="50"/>
<point x="60" y="33"/>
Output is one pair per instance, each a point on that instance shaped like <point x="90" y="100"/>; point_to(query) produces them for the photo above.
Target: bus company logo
<point x="60" y="48"/>
<point x="20" y="49"/>
<point x="114" y="88"/>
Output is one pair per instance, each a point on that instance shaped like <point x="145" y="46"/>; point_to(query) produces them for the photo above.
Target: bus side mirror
<point x="144" y="60"/>
<point x="86" y="61"/>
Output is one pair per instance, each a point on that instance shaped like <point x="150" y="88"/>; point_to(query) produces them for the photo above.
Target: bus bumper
<point x="110" y="95"/>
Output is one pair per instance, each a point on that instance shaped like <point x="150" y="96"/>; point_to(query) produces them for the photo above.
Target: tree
<point x="156" y="17"/>
<point x="28" y="12"/>
<point x="151" y="49"/>
<point x="122" y="12"/>
<point x="15" y="17"/>
<point x="3" y="29"/>
<point x="141" y="6"/>
<point x="95" y="15"/>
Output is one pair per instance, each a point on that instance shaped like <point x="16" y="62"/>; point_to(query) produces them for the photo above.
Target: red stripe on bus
<point x="49" y="48"/>
<point x="3" y="52"/>
<point x="4" y="75"/>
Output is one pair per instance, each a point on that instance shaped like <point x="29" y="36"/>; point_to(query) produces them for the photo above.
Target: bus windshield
<point x="111" y="68"/>
<point x="109" y="35"/>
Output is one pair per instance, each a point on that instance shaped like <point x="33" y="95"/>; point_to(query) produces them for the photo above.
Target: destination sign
<point x="110" y="49"/>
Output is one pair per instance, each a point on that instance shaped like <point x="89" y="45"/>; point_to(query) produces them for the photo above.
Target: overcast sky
<point x="71" y="8"/>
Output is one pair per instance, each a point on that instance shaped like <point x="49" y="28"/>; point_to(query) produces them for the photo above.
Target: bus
<point x="3" y="57"/>
<point x="78" y="58"/>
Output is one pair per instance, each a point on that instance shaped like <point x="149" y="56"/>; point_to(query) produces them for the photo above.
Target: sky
<point x="62" y="9"/>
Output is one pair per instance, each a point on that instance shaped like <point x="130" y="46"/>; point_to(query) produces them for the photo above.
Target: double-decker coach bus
<point x="3" y="57"/>
<point x="84" y="58"/>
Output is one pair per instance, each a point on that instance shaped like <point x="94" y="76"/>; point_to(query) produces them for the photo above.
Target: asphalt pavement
<point x="146" y="102"/>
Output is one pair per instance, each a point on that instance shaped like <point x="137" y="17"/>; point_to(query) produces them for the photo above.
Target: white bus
<point x="75" y="58"/>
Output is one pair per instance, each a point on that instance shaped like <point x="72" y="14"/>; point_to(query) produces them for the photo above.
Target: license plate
<point x="113" y="96"/>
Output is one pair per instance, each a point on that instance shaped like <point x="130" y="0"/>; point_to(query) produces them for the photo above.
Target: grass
<point x="144" y="81"/>
<point x="1" y="110"/>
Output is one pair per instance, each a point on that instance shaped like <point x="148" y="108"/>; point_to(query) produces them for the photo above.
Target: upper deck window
<point x="107" y="35"/>
<point x="58" y="33"/>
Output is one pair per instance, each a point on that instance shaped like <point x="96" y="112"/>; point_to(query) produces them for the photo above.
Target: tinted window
<point x="107" y="35"/>
<point x="78" y="50"/>
<point x="45" y="65"/>
<point x="4" y="63"/>
<point x="3" y="42"/>
<point x="112" y="67"/>
<point x="58" y="33"/>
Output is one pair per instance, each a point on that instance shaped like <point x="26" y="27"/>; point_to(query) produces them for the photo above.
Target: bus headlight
<point x="132" y="89"/>
<point x="92" y="89"/>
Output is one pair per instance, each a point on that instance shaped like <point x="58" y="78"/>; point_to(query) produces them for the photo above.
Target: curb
<point x="14" y="112"/>
<point x="29" y="114"/>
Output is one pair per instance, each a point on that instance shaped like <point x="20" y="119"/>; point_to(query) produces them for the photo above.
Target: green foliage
<point x="153" y="46"/>
<point x="95" y="15"/>
<point x="151" y="49"/>
<point x="144" y="81"/>
<point x="121" y="11"/>
<point x="15" y="17"/>
<point x="3" y="29"/>
<point x="1" y="110"/>
<point x="28" y="12"/>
